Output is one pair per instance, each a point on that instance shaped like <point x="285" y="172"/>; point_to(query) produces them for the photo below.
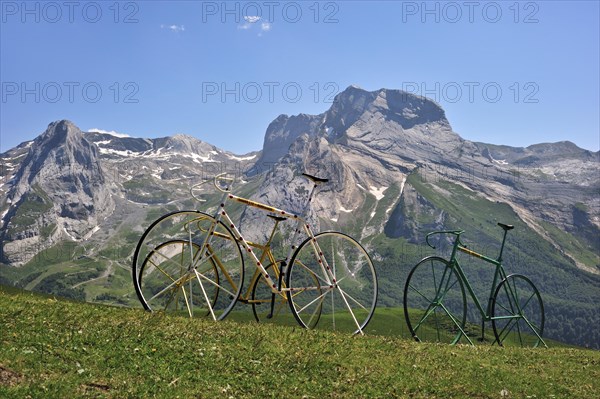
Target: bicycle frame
<point x="435" y="299"/>
<point x="266" y="254"/>
<point x="499" y="273"/>
<point x="206" y="252"/>
<point x="222" y="215"/>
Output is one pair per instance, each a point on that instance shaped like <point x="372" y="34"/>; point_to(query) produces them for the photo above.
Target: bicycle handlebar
<point x="218" y="178"/>
<point x="222" y="178"/>
<point x="457" y="233"/>
<point x="194" y="187"/>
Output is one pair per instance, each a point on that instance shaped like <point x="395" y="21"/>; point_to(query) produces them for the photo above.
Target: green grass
<point x="58" y="349"/>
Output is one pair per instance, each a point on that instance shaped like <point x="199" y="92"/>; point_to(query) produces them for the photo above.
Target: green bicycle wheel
<point x="518" y="313"/>
<point x="435" y="305"/>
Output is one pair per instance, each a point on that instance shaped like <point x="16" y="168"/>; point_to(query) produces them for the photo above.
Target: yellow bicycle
<point x="193" y="263"/>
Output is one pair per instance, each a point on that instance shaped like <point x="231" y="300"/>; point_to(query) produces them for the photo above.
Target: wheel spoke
<point x="419" y="292"/>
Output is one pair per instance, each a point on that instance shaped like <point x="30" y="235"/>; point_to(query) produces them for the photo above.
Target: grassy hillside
<point x="55" y="349"/>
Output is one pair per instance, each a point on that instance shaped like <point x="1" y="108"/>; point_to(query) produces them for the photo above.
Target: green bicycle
<point x="435" y="305"/>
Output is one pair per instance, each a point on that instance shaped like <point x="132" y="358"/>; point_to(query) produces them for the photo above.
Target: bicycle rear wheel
<point x="167" y="284"/>
<point x="332" y="280"/>
<point x="262" y="296"/>
<point x="518" y="313"/>
<point x="172" y="273"/>
<point x="435" y="306"/>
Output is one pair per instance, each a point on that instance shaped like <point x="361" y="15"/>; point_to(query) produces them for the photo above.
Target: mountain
<point x="79" y="201"/>
<point x="58" y="192"/>
<point x="371" y="141"/>
<point x="68" y="184"/>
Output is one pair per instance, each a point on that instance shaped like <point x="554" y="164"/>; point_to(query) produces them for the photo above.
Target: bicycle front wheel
<point x="332" y="280"/>
<point x="518" y="313"/>
<point x="188" y="263"/>
<point x="435" y="306"/>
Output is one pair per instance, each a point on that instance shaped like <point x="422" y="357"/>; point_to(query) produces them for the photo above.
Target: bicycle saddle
<point x="277" y="218"/>
<point x="506" y="227"/>
<point x="315" y="179"/>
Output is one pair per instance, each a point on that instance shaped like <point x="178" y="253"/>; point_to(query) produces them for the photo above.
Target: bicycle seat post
<point x="316" y="181"/>
<point x="506" y="228"/>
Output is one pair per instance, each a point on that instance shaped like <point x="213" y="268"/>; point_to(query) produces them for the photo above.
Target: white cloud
<point x="173" y="28"/>
<point x="251" y="18"/>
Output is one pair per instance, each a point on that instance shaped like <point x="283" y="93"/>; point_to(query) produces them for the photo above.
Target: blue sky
<point x="514" y="73"/>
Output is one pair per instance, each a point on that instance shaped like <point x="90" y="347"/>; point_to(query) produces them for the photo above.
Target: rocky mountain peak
<point x="60" y="131"/>
<point x="281" y="133"/>
<point x="61" y="145"/>
<point x="60" y="189"/>
<point x="402" y="107"/>
<point x="358" y="109"/>
<point x="182" y="143"/>
<point x="412" y="110"/>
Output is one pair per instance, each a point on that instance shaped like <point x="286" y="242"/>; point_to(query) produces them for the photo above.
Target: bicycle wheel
<point x="171" y="273"/>
<point x="518" y="313"/>
<point x="435" y="305"/>
<point x="331" y="277"/>
<point x="167" y="284"/>
<point x="262" y="295"/>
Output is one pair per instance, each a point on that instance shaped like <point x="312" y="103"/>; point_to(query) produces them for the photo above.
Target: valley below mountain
<point x="73" y="204"/>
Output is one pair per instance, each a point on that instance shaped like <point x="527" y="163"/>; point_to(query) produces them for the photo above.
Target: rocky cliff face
<point x="281" y="133"/>
<point x="64" y="184"/>
<point x="364" y="143"/>
<point x="59" y="191"/>
<point x="369" y="143"/>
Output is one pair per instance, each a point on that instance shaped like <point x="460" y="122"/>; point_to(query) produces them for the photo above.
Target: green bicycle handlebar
<point x="457" y="233"/>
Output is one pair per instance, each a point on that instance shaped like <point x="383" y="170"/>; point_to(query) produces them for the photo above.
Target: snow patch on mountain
<point x="378" y="192"/>
<point x="248" y="158"/>
<point x="111" y="132"/>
